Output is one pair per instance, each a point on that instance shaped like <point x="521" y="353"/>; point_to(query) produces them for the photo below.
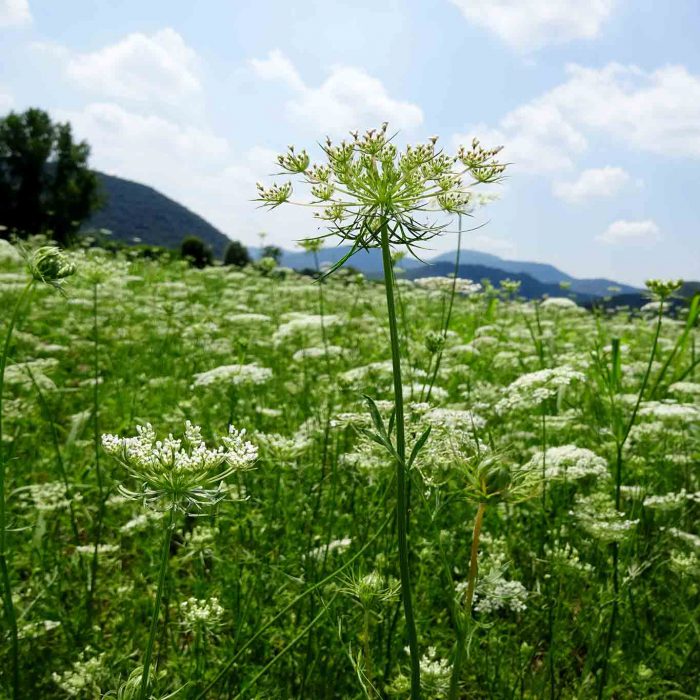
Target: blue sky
<point x="597" y="104"/>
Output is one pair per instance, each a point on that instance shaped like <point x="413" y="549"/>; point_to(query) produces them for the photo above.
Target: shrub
<point x="196" y="252"/>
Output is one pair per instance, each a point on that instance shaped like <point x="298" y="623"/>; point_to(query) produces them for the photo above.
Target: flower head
<point x="367" y="186"/>
<point x="180" y="473"/>
<point x="49" y="265"/>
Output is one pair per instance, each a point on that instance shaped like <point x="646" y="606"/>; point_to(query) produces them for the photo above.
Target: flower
<point x="367" y="187"/>
<point x="49" y="265"/>
<point x="180" y="473"/>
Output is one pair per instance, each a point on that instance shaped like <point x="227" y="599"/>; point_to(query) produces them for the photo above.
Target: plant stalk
<point x="8" y="604"/>
<point x="468" y="600"/>
<point x="164" y="556"/>
<point x="401" y="502"/>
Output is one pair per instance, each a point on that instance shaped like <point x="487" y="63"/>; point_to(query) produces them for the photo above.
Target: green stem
<point x="164" y="556"/>
<point x="618" y="487"/>
<point x="468" y="600"/>
<point x="229" y="665"/>
<point x="446" y="324"/>
<point x="401" y="502"/>
<point x="9" y="605"/>
<point x="98" y="469"/>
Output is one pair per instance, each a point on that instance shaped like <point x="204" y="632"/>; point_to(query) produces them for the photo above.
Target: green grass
<point x="288" y="554"/>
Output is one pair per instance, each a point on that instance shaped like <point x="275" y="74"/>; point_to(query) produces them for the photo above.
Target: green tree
<point x="45" y="183"/>
<point x="272" y="251"/>
<point x="236" y="254"/>
<point x="196" y="251"/>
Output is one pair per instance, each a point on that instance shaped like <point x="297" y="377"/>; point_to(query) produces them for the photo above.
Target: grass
<point x="578" y="588"/>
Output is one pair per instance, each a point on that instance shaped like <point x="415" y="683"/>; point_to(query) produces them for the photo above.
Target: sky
<point x="596" y="102"/>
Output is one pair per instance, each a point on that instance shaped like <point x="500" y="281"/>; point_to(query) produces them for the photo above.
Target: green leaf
<point x="419" y="446"/>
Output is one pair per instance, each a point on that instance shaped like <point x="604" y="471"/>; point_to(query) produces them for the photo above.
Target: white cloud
<point x="592" y="183"/>
<point x="530" y="24"/>
<point x="159" y="67"/>
<point x="14" y="13"/>
<point x="536" y="138"/>
<point x="192" y="165"/>
<point x="349" y="98"/>
<point x="657" y="112"/>
<point x="631" y="232"/>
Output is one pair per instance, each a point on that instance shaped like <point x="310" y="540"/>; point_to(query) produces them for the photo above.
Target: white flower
<point x="184" y="474"/>
<point x="236" y="375"/>
<point x="532" y="389"/>
<point x="571" y="463"/>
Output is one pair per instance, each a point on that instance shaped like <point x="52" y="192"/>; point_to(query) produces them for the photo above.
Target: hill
<point x="530" y="288"/>
<point x="134" y="211"/>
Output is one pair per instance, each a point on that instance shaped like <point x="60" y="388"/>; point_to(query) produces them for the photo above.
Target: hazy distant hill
<point x="370" y="263"/>
<point x="530" y="287"/>
<point x="137" y="211"/>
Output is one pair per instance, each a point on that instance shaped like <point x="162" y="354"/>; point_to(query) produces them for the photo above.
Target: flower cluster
<point x="236" y="375"/>
<point x="571" y="463"/>
<point x="366" y="183"/>
<point x="50" y="266"/>
<point x="530" y="390"/>
<point x="201" y="616"/>
<point x="180" y="473"/>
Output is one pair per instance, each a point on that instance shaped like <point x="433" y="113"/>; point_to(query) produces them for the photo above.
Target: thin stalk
<point x="618" y="487"/>
<point x="98" y="469"/>
<point x="468" y="599"/>
<point x="448" y="317"/>
<point x="401" y="503"/>
<point x="9" y="605"/>
<point x="229" y="665"/>
<point x="164" y="556"/>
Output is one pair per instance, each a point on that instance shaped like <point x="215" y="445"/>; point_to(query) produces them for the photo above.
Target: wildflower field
<point x="282" y="579"/>
<point x="247" y="482"/>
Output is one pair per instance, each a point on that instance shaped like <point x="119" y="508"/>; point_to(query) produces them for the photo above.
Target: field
<point x="551" y="498"/>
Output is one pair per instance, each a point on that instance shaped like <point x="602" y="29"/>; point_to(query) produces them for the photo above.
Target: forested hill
<point x="137" y="213"/>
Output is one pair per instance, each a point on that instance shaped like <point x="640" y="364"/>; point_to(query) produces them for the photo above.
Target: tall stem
<point x="468" y="599"/>
<point x="401" y="502"/>
<point x="164" y="555"/>
<point x="10" y="614"/>
<point x="98" y="468"/>
<point x="618" y="487"/>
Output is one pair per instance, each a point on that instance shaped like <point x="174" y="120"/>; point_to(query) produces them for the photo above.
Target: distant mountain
<point x="530" y="288"/>
<point x="370" y="263"/>
<point x="540" y="271"/>
<point x="138" y="213"/>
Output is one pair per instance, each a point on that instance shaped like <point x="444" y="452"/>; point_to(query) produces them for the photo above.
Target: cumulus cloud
<point x="592" y="184"/>
<point x="193" y="165"/>
<point x="348" y="98"/>
<point x="531" y="24"/>
<point x="657" y="112"/>
<point x="146" y="68"/>
<point x="14" y="13"/>
<point x="630" y="232"/>
<point x="536" y="137"/>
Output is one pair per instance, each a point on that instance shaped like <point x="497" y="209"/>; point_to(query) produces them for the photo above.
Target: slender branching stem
<point x="98" y="468"/>
<point x="618" y="488"/>
<point x="10" y="614"/>
<point x="401" y="502"/>
<point x="164" y="557"/>
<point x="463" y="625"/>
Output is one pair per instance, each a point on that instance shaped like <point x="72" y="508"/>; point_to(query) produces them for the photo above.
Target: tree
<point x="272" y="251"/>
<point x="236" y="254"/>
<point x="45" y="183"/>
<point x="196" y="251"/>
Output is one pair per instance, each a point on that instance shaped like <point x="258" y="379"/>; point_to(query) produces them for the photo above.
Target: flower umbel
<point x="180" y="473"/>
<point x="367" y="183"/>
